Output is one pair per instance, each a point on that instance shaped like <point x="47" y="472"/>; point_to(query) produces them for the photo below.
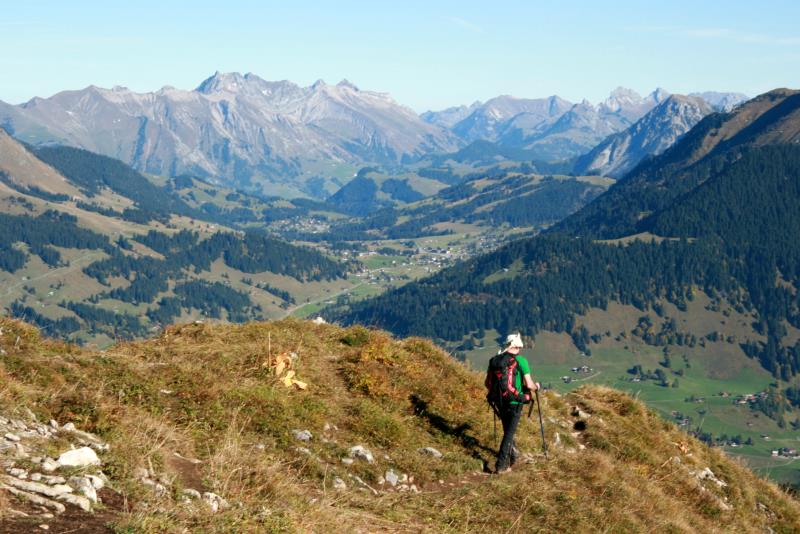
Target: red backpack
<point x="501" y="381"/>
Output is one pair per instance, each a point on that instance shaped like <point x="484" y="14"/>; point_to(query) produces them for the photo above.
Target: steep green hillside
<point x="201" y="408"/>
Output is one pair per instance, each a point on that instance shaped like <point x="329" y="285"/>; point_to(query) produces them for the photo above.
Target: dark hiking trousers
<point x="507" y="455"/>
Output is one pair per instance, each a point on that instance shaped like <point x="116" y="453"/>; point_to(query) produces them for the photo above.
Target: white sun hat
<point x="514" y="340"/>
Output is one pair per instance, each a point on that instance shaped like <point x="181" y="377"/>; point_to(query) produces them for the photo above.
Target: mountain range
<point x="277" y="138"/>
<point x="238" y="129"/>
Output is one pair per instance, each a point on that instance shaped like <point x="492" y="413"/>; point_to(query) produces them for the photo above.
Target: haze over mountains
<point x="281" y="139"/>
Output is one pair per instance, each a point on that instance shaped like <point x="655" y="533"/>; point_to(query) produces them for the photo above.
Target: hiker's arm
<point x="529" y="383"/>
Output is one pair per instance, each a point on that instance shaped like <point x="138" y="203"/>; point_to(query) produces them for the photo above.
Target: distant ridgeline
<point x="727" y="197"/>
<point x="91" y="172"/>
<point x="515" y="196"/>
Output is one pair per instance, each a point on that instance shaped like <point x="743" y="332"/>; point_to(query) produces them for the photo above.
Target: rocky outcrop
<point x="23" y="456"/>
<point x="650" y="135"/>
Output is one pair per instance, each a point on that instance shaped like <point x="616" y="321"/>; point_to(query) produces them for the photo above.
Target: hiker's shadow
<point x="460" y="432"/>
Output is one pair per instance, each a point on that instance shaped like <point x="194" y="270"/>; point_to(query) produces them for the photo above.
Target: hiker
<point x="510" y="386"/>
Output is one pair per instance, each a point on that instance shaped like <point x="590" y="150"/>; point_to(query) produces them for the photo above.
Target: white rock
<point x="69" y="427"/>
<point x="36" y="487"/>
<point x="414" y="488"/>
<point x="391" y="478"/>
<point x="49" y="465"/>
<point x="361" y="453"/>
<point x="17" y="472"/>
<point x="708" y="474"/>
<point x="339" y="484"/>
<point x="82" y="457"/>
<point x="53" y="424"/>
<point x="84" y="486"/>
<point x="320" y="320"/>
<point x="430" y="450"/>
<point x="577" y="412"/>
<point x="81" y="502"/>
<point x="48" y="479"/>
<point x="347" y="461"/>
<point x="97" y="482"/>
<point x="20" y="451"/>
<point x="11" y="437"/>
<point x="36" y="477"/>
<point x="403" y="478"/>
<point x="302" y="435"/>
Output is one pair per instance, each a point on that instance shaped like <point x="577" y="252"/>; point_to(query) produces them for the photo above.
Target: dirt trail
<point x="74" y="520"/>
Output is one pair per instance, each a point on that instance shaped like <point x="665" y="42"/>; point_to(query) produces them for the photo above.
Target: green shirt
<point x="524" y="369"/>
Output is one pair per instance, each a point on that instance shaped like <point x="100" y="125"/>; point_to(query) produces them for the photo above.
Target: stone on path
<point x="391" y="478"/>
<point x="431" y="451"/>
<point x="359" y="452"/>
<point x="82" y="457"/>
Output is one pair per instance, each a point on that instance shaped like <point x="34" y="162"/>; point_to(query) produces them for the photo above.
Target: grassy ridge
<point x="203" y="391"/>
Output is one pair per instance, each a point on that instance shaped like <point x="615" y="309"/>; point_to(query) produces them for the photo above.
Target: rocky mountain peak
<point x="621" y="97"/>
<point x="220" y="82"/>
<point x="347" y="84"/>
<point x="658" y="96"/>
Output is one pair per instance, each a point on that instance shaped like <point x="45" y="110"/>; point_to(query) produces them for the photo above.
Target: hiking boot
<point x="502" y="471"/>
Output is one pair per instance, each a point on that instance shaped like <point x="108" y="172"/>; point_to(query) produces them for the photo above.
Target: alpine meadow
<point x="525" y="268"/>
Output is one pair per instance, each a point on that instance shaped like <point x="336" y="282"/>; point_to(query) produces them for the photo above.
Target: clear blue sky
<point x="427" y="54"/>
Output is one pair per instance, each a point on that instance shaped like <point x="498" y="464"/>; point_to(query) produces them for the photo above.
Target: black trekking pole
<point x="541" y="423"/>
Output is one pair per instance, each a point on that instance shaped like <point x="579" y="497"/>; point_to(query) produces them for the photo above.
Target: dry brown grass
<point x="203" y="391"/>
